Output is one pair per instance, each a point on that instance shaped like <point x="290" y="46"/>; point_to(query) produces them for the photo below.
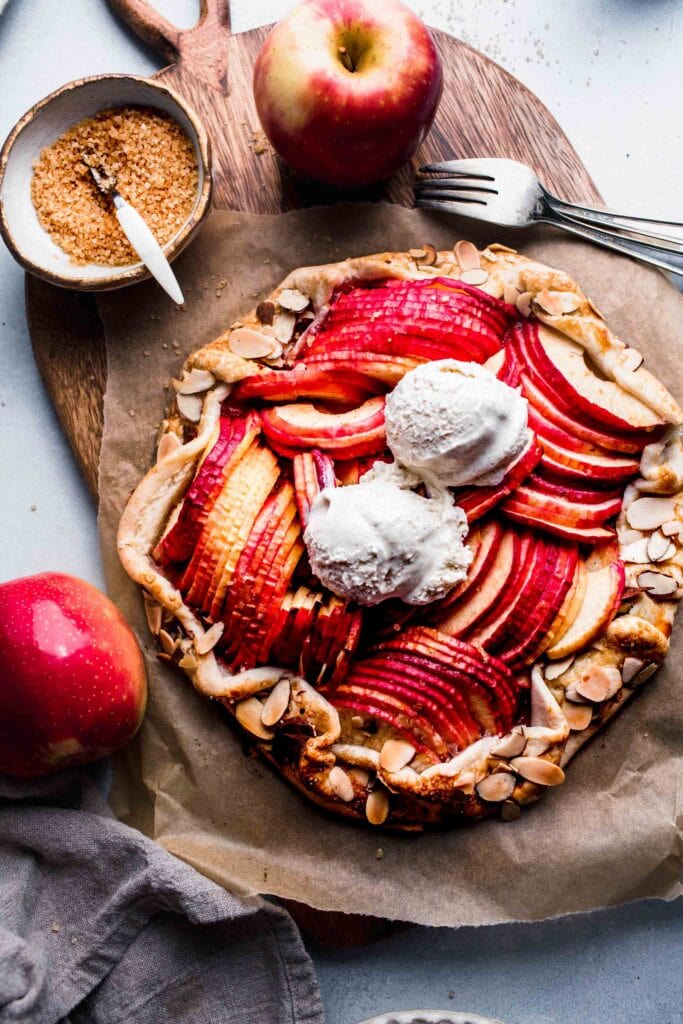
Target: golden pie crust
<point x="349" y="778"/>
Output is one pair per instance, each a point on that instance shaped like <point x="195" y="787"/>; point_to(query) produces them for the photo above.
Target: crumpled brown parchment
<point x="610" y="834"/>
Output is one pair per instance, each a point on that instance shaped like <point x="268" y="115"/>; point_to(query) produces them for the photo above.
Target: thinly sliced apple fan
<point x="471" y="706"/>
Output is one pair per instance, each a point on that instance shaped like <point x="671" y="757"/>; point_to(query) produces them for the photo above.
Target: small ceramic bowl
<point x="29" y="243"/>
<point x="430" y="1017"/>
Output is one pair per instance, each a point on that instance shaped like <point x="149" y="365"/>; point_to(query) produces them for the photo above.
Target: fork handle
<point x="647" y="228"/>
<point x="655" y="256"/>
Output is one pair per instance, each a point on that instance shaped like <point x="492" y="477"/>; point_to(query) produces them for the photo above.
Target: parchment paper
<point x="610" y="834"/>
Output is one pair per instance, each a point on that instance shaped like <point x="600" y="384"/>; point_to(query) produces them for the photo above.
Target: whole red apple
<point x="346" y="90"/>
<point x="72" y="678"/>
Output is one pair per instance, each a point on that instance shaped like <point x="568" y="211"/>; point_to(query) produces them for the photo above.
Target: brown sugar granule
<point x="155" y="167"/>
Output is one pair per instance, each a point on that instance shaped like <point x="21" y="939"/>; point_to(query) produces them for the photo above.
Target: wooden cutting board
<point x="484" y="112"/>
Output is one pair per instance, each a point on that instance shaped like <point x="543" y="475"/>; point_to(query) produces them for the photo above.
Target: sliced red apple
<point x="559" y="510"/>
<point x="346" y="435"/>
<point x="303" y="381"/>
<point x="313" y="471"/>
<point x="477" y="602"/>
<point x="484" y="539"/>
<point x="477" y="501"/>
<point x="600" y="604"/>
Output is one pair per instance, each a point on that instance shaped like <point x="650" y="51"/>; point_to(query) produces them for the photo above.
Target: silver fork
<point x="509" y="193"/>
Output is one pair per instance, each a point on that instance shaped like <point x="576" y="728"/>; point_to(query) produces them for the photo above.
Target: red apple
<point x="73" y="683"/>
<point x="346" y="90"/>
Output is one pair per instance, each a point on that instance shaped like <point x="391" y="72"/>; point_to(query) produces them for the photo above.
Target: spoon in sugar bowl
<point x="137" y="231"/>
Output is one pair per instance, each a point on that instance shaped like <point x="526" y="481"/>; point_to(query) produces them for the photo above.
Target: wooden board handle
<point x="201" y="48"/>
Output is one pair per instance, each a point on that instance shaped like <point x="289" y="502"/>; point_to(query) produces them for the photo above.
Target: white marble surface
<point x="611" y="72"/>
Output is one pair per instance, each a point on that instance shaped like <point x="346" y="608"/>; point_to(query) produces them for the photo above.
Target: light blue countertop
<point x="610" y="71"/>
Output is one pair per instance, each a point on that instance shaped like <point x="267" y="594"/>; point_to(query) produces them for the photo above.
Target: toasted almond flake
<point x="524" y="303"/>
<point x="208" y="640"/>
<point x="637" y="552"/>
<point x="489" y="255"/>
<point x="660" y="548"/>
<point x="396" y="754"/>
<point x="153" y="614"/>
<point x="293" y="300"/>
<point x="465" y="782"/>
<point x="538" y="770"/>
<point x="499" y="247"/>
<point x="275" y="354"/>
<point x="557" y="303"/>
<point x="265" y="311"/>
<point x="417" y="254"/>
<point x="650" y="513"/>
<point x="431" y="255"/>
<point x="190" y="406"/>
<point x="631" y="668"/>
<point x="497" y="787"/>
<point x="341" y="784"/>
<point x="578" y="716"/>
<point x="283" y="327"/>
<point x="188" y="662"/>
<point x="595" y="683"/>
<point x="196" y="381"/>
<point x="250" y="344"/>
<point x="361" y="775"/>
<point x="631" y="359"/>
<point x="673" y="528"/>
<point x="628" y="536"/>
<point x="535" y="747"/>
<point x="510" y="293"/>
<point x="377" y="806"/>
<point x="357" y="721"/>
<point x="467" y="256"/>
<point x="276" y="703"/>
<point x="510" y="746"/>
<point x="248" y="713"/>
<point x="555" y="669"/>
<point x="510" y="811"/>
<point x="645" y="673"/>
<point x="167" y="642"/>
<point x="477" y="275"/>
<point x="168" y="444"/>
<point x="658" y="584"/>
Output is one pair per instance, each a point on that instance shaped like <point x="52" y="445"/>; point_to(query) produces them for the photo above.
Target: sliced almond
<point x="535" y="747"/>
<point x="265" y="311"/>
<point x="650" y="513"/>
<point x="578" y="716"/>
<point x="188" y="662"/>
<point x="377" y="806"/>
<point x="658" y="584"/>
<point x="153" y="614"/>
<point x="631" y="668"/>
<point x="167" y="642"/>
<point x="645" y="673"/>
<point x="276" y="702"/>
<point x="275" y="354"/>
<point x="637" y="552"/>
<point x="293" y="300"/>
<point x="250" y="344"/>
<point x="510" y="811"/>
<point x="629" y="536"/>
<point x="208" y="640"/>
<point x="598" y="683"/>
<point x="524" y="303"/>
<point x="467" y="255"/>
<point x="510" y="746"/>
<point x="475" y="276"/>
<point x="510" y="293"/>
<point x="248" y="713"/>
<point x="538" y="770"/>
<point x="497" y="787"/>
<point x="396" y="754"/>
<point x="168" y="444"/>
<point x="361" y="775"/>
<point x="631" y="359"/>
<point x="660" y="548"/>
<point x="431" y="255"/>
<point x="554" y="669"/>
<point x="417" y="254"/>
<point x="341" y="784"/>
<point x="190" y="406"/>
<point x="283" y="327"/>
<point x="557" y="303"/>
<point x="674" y="528"/>
<point x="196" y="381"/>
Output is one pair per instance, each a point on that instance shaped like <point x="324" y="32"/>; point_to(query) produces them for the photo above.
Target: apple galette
<point x="416" y="521"/>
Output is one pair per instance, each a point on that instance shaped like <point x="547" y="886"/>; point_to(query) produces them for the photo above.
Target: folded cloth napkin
<point x="99" y="925"/>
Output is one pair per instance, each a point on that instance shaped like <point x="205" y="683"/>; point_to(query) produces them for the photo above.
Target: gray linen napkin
<point x="99" y="925"/>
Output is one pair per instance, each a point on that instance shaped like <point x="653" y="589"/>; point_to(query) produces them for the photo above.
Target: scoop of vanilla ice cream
<point x="455" y="423"/>
<point x="378" y="539"/>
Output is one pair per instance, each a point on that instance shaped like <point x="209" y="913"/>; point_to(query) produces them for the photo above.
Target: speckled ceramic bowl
<point x="46" y="121"/>
<point x="429" y="1017"/>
